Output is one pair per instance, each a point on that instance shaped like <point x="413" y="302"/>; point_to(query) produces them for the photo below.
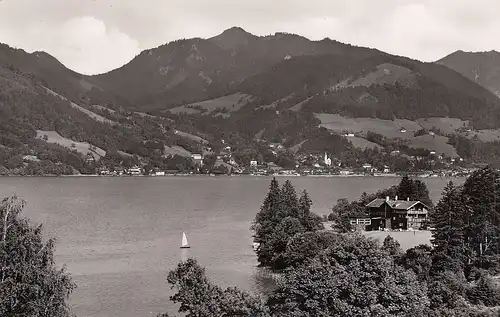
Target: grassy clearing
<point x="451" y="125"/>
<point x="391" y="129"/>
<point x="176" y="150"/>
<point x="484" y="135"/>
<point x="363" y="143"/>
<point x="91" y="114"/>
<point x="192" y="137"/>
<point x="407" y="239"/>
<point x="387" y="74"/>
<point x="387" y="128"/>
<point x="80" y="147"/>
<point x="435" y="143"/>
<point x="445" y="125"/>
<point x="231" y="103"/>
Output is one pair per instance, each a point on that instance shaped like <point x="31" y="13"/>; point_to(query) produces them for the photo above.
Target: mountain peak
<point x="482" y="67"/>
<point x="232" y="38"/>
<point x="235" y="29"/>
<point x="491" y="53"/>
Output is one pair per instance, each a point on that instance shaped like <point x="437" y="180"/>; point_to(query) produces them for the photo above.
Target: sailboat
<point x="184" y="243"/>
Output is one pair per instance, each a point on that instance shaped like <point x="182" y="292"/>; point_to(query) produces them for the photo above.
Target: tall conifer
<point x="447" y="221"/>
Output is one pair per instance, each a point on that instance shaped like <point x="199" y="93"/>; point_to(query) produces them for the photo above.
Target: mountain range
<point x="480" y="67"/>
<point x="240" y="89"/>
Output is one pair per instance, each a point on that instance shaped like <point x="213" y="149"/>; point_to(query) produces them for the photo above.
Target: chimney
<point x="387" y="198"/>
<point x="396" y="198"/>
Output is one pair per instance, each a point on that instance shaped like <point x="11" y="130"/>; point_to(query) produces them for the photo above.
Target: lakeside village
<point x="305" y="165"/>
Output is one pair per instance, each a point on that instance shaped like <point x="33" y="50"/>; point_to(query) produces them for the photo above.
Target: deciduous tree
<point x="352" y="277"/>
<point x="198" y="297"/>
<point x="30" y="284"/>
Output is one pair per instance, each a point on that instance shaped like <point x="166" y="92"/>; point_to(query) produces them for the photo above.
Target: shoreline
<point x="224" y="175"/>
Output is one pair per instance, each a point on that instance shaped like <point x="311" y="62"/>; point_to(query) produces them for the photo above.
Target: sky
<point x="95" y="36"/>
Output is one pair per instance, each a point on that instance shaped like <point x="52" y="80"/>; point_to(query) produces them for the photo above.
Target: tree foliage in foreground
<point x="282" y="216"/>
<point x="198" y="297"/>
<point x="466" y="253"/>
<point x="30" y="284"/>
<point x="352" y="277"/>
<point x="466" y="221"/>
<point x="447" y="221"/>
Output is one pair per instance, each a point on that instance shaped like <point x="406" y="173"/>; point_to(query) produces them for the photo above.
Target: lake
<point x="119" y="237"/>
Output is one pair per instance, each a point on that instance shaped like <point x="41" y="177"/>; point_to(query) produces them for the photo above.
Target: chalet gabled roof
<point x="402" y="204"/>
<point x="376" y="203"/>
<point x="395" y="204"/>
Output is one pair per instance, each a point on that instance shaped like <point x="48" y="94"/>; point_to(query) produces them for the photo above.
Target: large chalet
<point x="397" y="214"/>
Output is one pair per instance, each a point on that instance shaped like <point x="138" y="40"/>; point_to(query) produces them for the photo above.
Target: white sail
<point x="184" y="243"/>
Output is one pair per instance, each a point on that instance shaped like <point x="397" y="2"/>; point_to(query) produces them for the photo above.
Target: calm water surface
<point x="119" y="237"/>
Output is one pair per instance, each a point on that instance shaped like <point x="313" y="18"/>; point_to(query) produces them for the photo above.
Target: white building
<point x="197" y="158"/>
<point x="328" y="161"/>
<point x="136" y="170"/>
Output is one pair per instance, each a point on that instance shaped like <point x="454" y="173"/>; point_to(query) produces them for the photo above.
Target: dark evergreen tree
<point x="309" y="220"/>
<point x="482" y="221"/>
<point x="421" y="192"/>
<point x="278" y="241"/>
<point x="447" y="222"/>
<point x="413" y="189"/>
<point x="305" y="204"/>
<point x="405" y="188"/>
<point x="289" y="201"/>
<point x="265" y="222"/>
<point x="281" y="217"/>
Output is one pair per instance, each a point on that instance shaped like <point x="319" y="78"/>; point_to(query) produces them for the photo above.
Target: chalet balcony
<point x="418" y="212"/>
